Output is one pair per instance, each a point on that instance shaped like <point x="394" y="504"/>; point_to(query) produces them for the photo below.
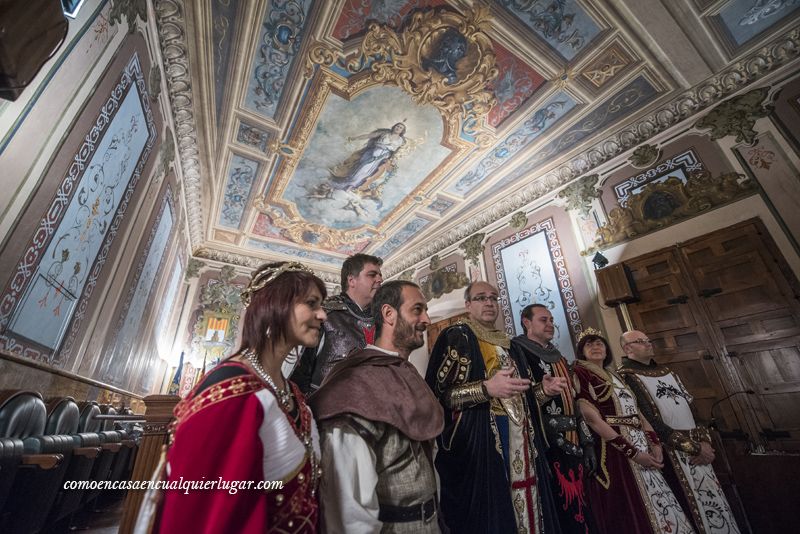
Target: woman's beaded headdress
<point x="589" y="332"/>
<point x="266" y="274"/>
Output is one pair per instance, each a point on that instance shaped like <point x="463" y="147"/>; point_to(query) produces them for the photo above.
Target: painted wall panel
<point x="54" y="278"/>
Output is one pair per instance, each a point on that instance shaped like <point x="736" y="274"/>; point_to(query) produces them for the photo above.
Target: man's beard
<point x="404" y="336"/>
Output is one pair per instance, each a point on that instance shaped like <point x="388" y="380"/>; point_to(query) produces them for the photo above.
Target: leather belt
<point x="424" y="512"/>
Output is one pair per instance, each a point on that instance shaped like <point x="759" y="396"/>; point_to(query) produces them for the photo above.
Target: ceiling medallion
<point x="440" y="58"/>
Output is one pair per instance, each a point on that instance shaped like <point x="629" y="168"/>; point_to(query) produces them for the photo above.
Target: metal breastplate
<point x="344" y="333"/>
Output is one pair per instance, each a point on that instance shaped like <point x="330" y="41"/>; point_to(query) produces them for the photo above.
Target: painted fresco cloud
<point x="337" y="183"/>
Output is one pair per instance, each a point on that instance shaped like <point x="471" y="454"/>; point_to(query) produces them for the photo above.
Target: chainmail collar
<point x="549" y="353"/>
<point x="493" y="336"/>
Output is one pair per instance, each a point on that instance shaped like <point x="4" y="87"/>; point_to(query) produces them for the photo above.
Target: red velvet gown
<point x="235" y="430"/>
<point x="624" y="496"/>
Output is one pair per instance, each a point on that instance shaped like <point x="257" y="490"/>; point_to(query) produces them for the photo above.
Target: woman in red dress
<point x="245" y="422"/>
<point x="628" y="492"/>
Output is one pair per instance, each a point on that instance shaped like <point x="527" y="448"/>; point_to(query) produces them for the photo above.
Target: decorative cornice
<point x="251" y="262"/>
<point x="171" y="22"/>
<point x="735" y="77"/>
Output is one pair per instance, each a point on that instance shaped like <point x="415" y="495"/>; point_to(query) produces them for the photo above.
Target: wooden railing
<point x="158" y="416"/>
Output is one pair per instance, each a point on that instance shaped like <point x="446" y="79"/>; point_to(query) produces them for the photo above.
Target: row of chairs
<point x="46" y="444"/>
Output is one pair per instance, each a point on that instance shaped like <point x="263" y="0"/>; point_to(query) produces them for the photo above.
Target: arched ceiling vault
<point x="312" y="130"/>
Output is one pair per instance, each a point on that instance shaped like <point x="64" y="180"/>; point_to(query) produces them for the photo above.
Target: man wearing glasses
<point x="665" y="402"/>
<point x="486" y="456"/>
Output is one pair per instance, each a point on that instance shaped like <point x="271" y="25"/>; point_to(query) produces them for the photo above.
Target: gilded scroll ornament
<point x="301" y="231"/>
<point x="440" y="58"/>
<point x="193" y="267"/>
<point x="442" y="280"/>
<point x="154" y="83"/>
<point x="407" y="275"/>
<point x="131" y="10"/>
<point x="644" y="156"/>
<point x="518" y="220"/>
<point x="473" y="247"/>
<point x="661" y="204"/>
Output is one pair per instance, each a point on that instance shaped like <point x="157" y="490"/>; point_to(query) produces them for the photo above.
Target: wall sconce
<point x="599" y="261"/>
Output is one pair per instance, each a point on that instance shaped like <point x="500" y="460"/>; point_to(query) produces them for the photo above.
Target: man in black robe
<point x="487" y="458"/>
<point x="569" y="450"/>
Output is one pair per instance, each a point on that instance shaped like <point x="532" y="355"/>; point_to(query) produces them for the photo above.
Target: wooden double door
<point x="722" y="310"/>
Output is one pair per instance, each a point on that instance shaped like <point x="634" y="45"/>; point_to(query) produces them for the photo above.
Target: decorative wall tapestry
<point x="167" y="307"/>
<point x="128" y="341"/>
<point x="531" y="269"/>
<point x="45" y="301"/>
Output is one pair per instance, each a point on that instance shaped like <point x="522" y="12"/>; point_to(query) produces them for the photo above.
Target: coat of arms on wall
<point x="442" y="280"/>
<point x="661" y="204"/>
<point x="217" y="317"/>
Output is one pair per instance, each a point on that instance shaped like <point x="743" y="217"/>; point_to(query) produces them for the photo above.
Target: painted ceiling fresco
<point x="372" y="125"/>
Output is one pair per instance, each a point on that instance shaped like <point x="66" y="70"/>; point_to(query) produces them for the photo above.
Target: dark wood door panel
<point x="663" y="303"/>
<point x="688" y="354"/>
<point x="770" y="367"/>
<point x="776" y="324"/>
<point x="738" y="286"/>
<point x="723" y="312"/>
<point x="651" y="266"/>
<point x="434" y="329"/>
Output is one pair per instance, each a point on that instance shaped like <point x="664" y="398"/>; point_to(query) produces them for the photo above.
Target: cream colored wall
<point x="33" y="126"/>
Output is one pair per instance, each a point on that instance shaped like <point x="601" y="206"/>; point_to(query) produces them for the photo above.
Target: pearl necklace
<point x="284" y="395"/>
<point x="284" y="398"/>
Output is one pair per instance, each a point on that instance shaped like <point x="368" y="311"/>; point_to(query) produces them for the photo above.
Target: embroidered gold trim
<point x="624" y="420"/>
<point x="607" y="389"/>
<point x="466" y="395"/>
<point x="539" y="394"/>
<point x="236" y="386"/>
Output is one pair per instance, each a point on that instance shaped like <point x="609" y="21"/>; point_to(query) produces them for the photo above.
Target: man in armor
<point x="349" y="325"/>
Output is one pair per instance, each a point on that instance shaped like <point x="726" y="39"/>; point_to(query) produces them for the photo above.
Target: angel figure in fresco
<point x="367" y="165"/>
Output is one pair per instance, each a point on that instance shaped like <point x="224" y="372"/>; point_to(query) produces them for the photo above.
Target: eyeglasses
<point x="485" y="298"/>
<point x="643" y="341"/>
